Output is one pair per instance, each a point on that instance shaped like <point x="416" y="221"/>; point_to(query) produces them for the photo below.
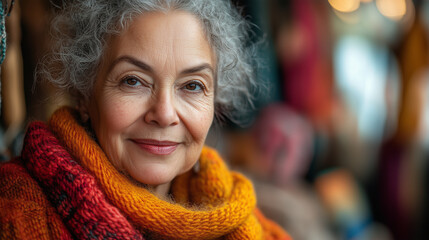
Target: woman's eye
<point x="131" y="81"/>
<point x="194" y="86"/>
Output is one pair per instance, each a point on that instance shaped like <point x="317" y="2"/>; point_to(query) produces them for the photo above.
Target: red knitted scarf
<point x="72" y="190"/>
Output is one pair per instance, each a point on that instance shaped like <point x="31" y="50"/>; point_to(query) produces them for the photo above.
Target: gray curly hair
<point x="82" y="26"/>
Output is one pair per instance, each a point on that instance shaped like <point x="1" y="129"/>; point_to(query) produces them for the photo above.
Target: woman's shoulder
<point x="25" y="211"/>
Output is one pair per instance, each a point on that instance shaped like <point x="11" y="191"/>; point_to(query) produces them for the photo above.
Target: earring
<point x="82" y="108"/>
<point x="196" y="167"/>
<point x="84" y="116"/>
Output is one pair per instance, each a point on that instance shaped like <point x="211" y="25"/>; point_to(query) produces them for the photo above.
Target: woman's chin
<point x="152" y="176"/>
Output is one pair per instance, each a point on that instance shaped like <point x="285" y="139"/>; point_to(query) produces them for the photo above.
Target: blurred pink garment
<point x="285" y="142"/>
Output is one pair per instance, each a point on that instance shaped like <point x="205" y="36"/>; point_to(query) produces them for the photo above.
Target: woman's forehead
<point x="164" y="38"/>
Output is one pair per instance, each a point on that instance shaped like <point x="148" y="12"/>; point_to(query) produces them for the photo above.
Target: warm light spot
<point x="393" y="9"/>
<point x="337" y="189"/>
<point x="345" y="5"/>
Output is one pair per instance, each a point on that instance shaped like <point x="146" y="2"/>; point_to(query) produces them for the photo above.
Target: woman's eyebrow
<point x="144" y="66"/>
<point x="199" y="68"/>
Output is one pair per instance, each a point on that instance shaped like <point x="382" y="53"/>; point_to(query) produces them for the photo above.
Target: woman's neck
<point x="162" y="190"/>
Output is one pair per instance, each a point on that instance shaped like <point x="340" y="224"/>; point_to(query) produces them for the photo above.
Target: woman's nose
<point x="162" y="110"/>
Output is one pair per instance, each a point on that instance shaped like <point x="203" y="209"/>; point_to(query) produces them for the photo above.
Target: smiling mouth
<point x="156" y="147"/>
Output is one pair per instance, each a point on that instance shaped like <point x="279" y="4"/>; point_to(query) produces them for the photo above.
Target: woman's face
<point x="153" y="99"/>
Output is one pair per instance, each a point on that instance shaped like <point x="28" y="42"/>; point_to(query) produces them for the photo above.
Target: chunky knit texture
<point x="25" y="212"/>
<point x="72" y="190"/>
<point x="94" y="200"/>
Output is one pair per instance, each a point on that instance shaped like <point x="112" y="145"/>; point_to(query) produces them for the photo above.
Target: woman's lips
<point x="156" y="147"/>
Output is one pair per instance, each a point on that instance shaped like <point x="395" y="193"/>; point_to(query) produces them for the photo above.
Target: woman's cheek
<point x="201" y="102"/>
<point x="122" y="111"/>
<point x="197" y="116"/>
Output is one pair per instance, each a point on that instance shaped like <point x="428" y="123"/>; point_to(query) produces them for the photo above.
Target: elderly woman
<point x="129" y="161"/>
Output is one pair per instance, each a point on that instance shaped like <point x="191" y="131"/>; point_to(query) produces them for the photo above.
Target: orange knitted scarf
<point x="224" y="201"/>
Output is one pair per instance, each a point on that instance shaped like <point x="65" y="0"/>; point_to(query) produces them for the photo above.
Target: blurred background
<point x="339" y="146"/>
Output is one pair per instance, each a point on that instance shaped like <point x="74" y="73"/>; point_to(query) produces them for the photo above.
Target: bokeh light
<point x="345" y="5"/>
<point x="393" y="9"/>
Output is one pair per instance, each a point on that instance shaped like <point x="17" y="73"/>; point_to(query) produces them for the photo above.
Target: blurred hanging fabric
<point x="397" y="172"/>
<point x="303" y="51"/>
